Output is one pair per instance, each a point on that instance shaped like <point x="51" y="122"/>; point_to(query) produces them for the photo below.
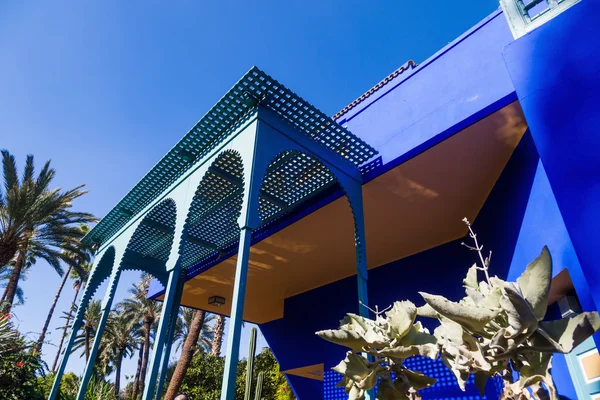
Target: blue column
<point x="171" y="301"/>
<point x="169" y="340"/>
<point x="237" y="312"/>
<point x="63" y="363"/>
<point x="360" y="244"/>
<point x="106" y="306"/>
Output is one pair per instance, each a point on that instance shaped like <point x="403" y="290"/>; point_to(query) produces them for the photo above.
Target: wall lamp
<point x="216" y="301"/>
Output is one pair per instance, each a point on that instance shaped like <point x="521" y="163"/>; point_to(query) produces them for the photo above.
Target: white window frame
<point x="521" y="24"/>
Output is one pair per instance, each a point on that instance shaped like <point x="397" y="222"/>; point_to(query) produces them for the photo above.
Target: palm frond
<point x="29" y="169"/>
<point x="9" y="165"/>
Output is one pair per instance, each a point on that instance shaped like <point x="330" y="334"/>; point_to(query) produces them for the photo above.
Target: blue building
<point x="290" y="218"/>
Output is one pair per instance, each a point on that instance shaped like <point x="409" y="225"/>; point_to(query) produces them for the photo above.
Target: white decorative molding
<point x="519" y="15"/>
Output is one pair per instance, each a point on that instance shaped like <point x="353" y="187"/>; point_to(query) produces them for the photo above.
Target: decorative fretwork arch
<point x="259" y="153"/>
<point x="212" y="219"/>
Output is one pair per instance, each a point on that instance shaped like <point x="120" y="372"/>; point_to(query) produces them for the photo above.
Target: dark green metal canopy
<point x="254" y="88"/>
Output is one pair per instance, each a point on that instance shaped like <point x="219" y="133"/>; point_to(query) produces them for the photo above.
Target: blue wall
<point x="439" y="270"/>
<point x="556" y="73"/>
<point x="460" y="84"/>
<point x="543" y="225"/>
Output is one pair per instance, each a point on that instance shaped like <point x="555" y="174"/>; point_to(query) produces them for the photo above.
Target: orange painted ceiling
<point x="411" y="208"/>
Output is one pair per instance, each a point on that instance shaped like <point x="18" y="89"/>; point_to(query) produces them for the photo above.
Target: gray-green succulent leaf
<point x="471" y="317"/>
<point x="535" y="283"/>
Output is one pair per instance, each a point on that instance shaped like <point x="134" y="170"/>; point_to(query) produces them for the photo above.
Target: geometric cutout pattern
<point x="154" y="236"/>
<point x="255" y="87"/>
<point x="446" y="387"/>
<point x="212" y="223"/>
<point x="291" y="177"/>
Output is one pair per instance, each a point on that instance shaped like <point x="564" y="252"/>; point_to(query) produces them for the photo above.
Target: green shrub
<point x="18" y="366"/>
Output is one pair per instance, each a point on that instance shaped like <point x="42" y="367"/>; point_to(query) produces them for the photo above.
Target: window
<point x="525" y="15"/>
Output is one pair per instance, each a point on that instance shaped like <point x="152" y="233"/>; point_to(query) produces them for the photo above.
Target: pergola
<point x="258" y="154"/>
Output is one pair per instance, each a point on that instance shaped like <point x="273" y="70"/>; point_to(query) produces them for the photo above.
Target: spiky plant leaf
<point x="481" y="379"/>
<point x="386" y="391"/>
<point x="357" y="368"/>
<point x="471" y="280"/>
<point x="535" y="283"/>
<point x="565" y="334"/>
<point x="472" y="318"/>
<point x="351" y="339"/>
<point x="419" y="338"/>
<point x="356" y="394"/>
<point x="426" y="311"/>
<point x="521" y="317"/>
<point x="400" y="319"/>
<point x="418" y="380"/>
<point x="537" y="369"/>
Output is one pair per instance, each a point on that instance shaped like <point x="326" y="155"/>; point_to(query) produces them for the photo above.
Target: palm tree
<point x="77" y="259"/>
<point x="139" y="307"/>
<point x="91" y="319"/>
<point x="136" y="379"/>
<point x="184" y="324"/>
<point x="191" y="325"/>
<point x="219" y="331"/>
<point x="119" y="342"/>
<point x="5" y="273"/>
<point x="79" y="277"/>
<point x="33" y="214"/>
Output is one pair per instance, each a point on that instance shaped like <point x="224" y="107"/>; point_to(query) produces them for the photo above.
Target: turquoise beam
<point x="170" y="303"/>
<point x="237" y="311"/>
<point x="169" y="341"/>
<point x="63" y="363"/>
<point x="106" y="306"/>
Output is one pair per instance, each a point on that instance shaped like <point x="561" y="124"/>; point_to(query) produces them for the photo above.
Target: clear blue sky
<point x="105" y="88"/>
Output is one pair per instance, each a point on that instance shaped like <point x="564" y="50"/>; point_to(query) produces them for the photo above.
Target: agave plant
<point x="498" y="328"/>
<point x="378" y="349"/>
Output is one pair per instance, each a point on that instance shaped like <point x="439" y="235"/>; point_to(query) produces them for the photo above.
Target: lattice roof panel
<point x="255" y="86"/>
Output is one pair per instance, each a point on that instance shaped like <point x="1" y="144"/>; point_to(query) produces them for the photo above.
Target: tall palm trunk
<point x="8" y="249"/>
<point x="147" y="327"/>
<point x="87" y="344"/>
<point x="13" y="281"/>
<point x="38" y="346"/>
<point x="136" y="380"/>
<point x="3" y="296"/>
<point x="189" y="347"/>
<point x="118" y="373"/>
<point x="64" y="333"/>
<point x="218" y="338"/>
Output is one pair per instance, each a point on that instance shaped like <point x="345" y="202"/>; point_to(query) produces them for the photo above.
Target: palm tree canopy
<point x="182" y="328"/>
<point x="30" y="210"/>
<point x="120" y="338"/>
<point x="91" y="319"/>
<point x="138" y="306"/>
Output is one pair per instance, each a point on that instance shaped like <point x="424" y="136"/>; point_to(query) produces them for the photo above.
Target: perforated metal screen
<point x="255" y="86"/>
<point x="446" y="388"/>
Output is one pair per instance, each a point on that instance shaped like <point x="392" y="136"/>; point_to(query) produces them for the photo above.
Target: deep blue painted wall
<point x="543" y="225"/>
<point x="556" y="73"/>
<point x="439" y="270"/>
<point x="460" y="84"/>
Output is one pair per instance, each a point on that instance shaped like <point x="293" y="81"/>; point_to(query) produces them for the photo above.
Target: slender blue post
<point x="169" y="340"/>
<point x="170" y="302"/>
<point x="356" y="202"/>
<point x="237" y="312"/>
<point x="63" y="363"/>
<point x="106" y="306"/>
